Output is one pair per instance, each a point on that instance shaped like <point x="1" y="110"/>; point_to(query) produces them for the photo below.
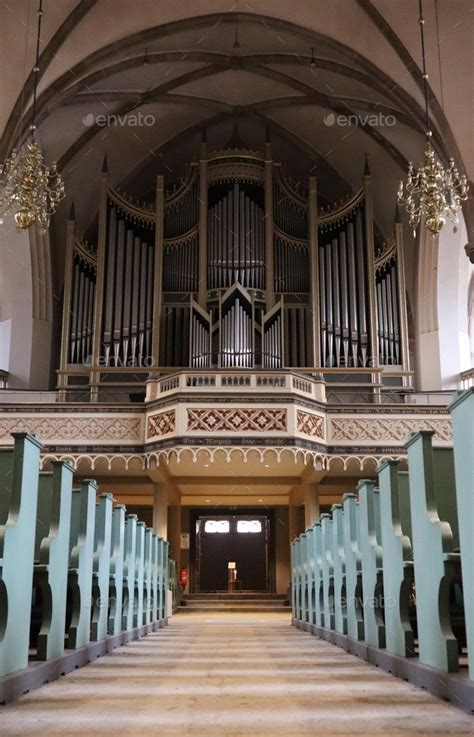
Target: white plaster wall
<point x="443" y="345"/>
<point x="16" y="301"/>
<point x="454" y="275"/>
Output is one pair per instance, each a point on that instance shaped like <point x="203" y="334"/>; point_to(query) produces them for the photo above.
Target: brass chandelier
<point x="433" y="193"/>
<point x="28" y="186"/>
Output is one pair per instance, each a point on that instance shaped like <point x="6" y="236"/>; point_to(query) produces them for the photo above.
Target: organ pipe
<point x="251" y="242"/>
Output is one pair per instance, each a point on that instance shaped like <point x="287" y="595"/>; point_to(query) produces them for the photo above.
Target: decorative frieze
<point x="69" y="429"/>
<point x="161" y="424"/>
<point x="237" y="420"/>
<point x="387" y="430"/>
<point x="309" y="424"/>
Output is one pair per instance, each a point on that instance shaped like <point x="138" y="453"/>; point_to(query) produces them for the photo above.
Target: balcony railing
<point x="236" y="382"/>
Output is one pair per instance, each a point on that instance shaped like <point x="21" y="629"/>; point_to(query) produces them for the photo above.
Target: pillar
<point x="160" y="510"/>
<point x="311" y="504"/>
<point x="174" y="533"/>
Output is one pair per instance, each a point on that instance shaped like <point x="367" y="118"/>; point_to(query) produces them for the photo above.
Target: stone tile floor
<point x="223" y="675"/>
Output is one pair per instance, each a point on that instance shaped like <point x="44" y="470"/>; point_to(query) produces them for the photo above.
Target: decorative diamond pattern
<point x="161" y="424"/>
<point x="309" y="424"/>
<point x="237" y="420"/>
<point x="387" y="430"/>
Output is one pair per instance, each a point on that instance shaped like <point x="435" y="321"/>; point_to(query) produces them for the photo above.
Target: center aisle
<point x="230" y="674"/>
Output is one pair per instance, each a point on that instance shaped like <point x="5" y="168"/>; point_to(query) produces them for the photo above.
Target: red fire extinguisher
<point x="183" y="577"/>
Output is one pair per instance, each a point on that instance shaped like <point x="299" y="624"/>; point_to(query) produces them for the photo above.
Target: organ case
<point x="236" y="266"/>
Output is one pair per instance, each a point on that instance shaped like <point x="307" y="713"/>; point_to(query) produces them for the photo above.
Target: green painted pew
<point x="372" y="561"/>
<point x="311" y="575"/>
<point x="129" y="566"/>
<point x="397" y="558"/>
<point x="81" y="547"/>
<point x="139" y="574"/>
<point x="304" y="577"/>
<point x="117" y="546"/>
<point x="101" y="566"/>
<point x="435" y="539"/>
<point x="148" y="577"/>
<point x="53" y="524"/>
<point x="327" y="571"/>
<point x="155" y="578"/>
<point x="19" y="470"/>
<point x="318" y="578"/>
<point x="166" y="577"/>
<point x="339" y="559"/>
<point x="462" y="413"/>
<point x="355" y="616"/>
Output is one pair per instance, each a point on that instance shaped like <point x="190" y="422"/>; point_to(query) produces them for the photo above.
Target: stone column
<point x="160" y="510"/>
<point x="311" y="504"/>
<point x="174" y="534"/>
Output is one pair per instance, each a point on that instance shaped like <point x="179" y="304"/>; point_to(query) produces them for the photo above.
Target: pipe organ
<point x="235" y="266"/>
<point x="81" y="323"/>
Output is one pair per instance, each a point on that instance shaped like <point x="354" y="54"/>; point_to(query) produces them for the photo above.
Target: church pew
<point x="318" y="580"/>
<point x="294" y="578"/>
<point x="19" y="469"/>
<point x="327" y="571"/>
<point x="311" y="574"/>
<point x="372" y="561"/>
<point x="117" y="545"/>
<point x="304" y="577"/>
<point x="338" y="554"/>
<point x="165" y="577"/>
<point x="101" y="566"/>
<point x="355" y="617"/>
<point x="298" y="578"/>
<point x="139" y="574"/>
<point x="129" y="567"/>
<point x="81" y="551"/>
<point x="148" y="577"/>
<point x="435" y="538"/>
<point x="397" y="558"/>
<point x="462" y="414"/>
<point x="53" y="524"/>
<point x="155" y="578"/>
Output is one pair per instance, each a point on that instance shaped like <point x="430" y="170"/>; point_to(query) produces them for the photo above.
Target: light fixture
<point x="236" y="41"/>
<point x="432" y="192"/>
<point x="313" y="62"/>
<point x="28" y="186"/>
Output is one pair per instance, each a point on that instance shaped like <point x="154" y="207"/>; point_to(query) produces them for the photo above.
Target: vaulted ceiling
<point x="194" y="77"/>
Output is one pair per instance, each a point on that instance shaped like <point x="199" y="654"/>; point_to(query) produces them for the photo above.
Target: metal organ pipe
<point x="149" y="302"/>
<point x="109" y="289"/>
<point x="135" y="296"/>
<point x="353" y="312"/>
<point x="142" y="306"/>
<point x="74" y="316"/>
<point x="322" y="304"/>
<point x="396" y="328"/>
<point x="80" y="315"/>
<point x="359" y="241"/>
<point x="329" y="310"/>
<point x="127" y="299"/>
<point x="117" y="335"/>
<point x="336" y="299"/>
<point x="344" y="297"/>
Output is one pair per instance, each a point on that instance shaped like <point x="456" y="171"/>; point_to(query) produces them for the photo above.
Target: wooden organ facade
<point x="236" y="267"/>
